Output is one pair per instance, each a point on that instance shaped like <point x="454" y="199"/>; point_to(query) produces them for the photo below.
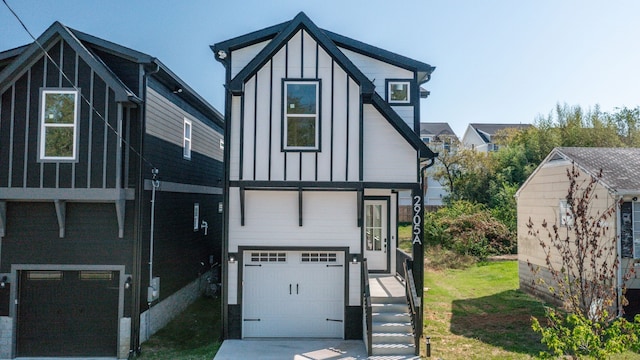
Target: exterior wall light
<point x="232" y="259"/>
<point x="3" y="282"/>
<point x="127" y="283"/>
<point x="354" y="259"/>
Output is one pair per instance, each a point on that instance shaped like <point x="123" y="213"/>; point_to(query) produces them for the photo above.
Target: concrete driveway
<point x="293" y="349"/>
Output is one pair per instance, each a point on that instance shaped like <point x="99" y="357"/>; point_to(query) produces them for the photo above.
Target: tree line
<point x="482" y="186"/>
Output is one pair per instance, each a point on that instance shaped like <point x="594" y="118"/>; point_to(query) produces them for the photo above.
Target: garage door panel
<point x="293" y="297"/>
<point x="62" y="314"/>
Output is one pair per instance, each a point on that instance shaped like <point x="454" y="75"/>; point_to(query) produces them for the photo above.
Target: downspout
<point x="155" y="184"/>
<point x="619" y="283"/>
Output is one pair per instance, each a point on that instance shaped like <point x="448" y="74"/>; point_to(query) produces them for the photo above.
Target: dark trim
<point x="412" y="91"/>
<point x="300" y="22"/>
<point x="361" y="141"/>
<point x="333" y="185"/>
<point x="241" y="148"/>
<point x="242" y="200"/>
<point x="415" y="100"/>
<point x="346" y="161"/>
<point x="255" y="124"/>
<point x="270" y="117"/>
<point x="54" y="33"/>
<point x="379" y="54"/>
<point x="300" y="207"/>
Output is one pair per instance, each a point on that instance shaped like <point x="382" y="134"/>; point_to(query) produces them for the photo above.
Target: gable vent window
<point x="186" y="144"/>
<point x="58" y="125"/>
<point x="301" y="115"/>
<point x="268" y="257"/>
<point x="398" y="92"/>
<point x="319" y="257"/>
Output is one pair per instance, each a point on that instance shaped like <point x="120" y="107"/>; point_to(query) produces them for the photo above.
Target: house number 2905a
<point x="417" y="219"/>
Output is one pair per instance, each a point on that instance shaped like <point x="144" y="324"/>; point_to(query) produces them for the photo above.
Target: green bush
<point x="576" y="336"/>
<point x="467" y="228"/>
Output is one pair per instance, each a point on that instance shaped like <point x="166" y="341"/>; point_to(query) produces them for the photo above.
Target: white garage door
<point x="293" y="294"/>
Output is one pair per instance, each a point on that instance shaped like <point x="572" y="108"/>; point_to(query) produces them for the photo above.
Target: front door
<point x="375" y="235"/>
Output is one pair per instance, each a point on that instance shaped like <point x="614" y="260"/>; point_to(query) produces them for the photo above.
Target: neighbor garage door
<point x="293" y="294"/>
<point x="68" y="313"/>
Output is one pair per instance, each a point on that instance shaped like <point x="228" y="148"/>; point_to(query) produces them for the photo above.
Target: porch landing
<point x="385" y="285"/>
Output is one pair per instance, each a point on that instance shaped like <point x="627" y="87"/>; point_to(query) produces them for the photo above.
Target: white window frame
<point x="44" y="126"/>
<point x="406" y="83"/>
<point x="315" y="115"/>
<point x="186" y="138"/>
<point x="565" y="215"/>
<point x="196" y="216"/>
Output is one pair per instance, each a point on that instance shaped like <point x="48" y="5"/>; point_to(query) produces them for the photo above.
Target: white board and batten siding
<point x="387" y="155"/>
<point x="271" y="217"/>
<point x="241" y="57"/>
<point x="259" y="129"/>
<point x="165" y="121"/>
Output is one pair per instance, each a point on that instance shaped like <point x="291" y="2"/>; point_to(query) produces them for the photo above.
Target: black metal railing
<point x="401" y="257"/>
<point x="366" y="304"/>
<point x="414" y="303"/>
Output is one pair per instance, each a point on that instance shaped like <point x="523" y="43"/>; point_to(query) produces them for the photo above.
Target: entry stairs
<point x="392" y="336"/>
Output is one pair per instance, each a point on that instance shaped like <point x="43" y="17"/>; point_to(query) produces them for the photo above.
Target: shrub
<point x="468" y="229"/>
<point x="578" y="336"/>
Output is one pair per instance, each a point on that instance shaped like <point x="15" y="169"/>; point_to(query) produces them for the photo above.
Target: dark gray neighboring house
<point x="83" y="271"/>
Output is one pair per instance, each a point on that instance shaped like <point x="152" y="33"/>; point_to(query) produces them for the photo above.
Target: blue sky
<point x="496" y="60"/>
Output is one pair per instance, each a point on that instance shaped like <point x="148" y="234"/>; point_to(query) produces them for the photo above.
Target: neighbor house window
<point x="58" y="124"/>
<point x="301" y="117"/>
<point x="398" y="92"/>
<point x="566" y="216"/>
<point x="196" y="216"/>
<point x="186" y="143"/>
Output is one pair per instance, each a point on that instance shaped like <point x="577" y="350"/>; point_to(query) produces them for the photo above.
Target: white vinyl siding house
<point x="310" y="143"/>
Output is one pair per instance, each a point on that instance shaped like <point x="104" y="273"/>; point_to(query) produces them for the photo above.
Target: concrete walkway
<point x="385" y="285"/>
<point x="292" y="349"/>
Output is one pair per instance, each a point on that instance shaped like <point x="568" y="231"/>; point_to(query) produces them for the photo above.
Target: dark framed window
<point x="301" y="120"/>
<point x="58" y="124"/>
<point x="399" y="91"/>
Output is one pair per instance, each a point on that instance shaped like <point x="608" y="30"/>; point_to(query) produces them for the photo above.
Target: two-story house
<point x="110" y="184"/>
<point x="322" y="132"/>
<point x="480" y="137"/>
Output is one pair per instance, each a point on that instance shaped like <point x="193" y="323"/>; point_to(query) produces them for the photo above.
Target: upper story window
<point x="301" y="115"/>
<point x="398" y="92"/>
<point x="426" y="140"/>
<point x="58" y="124"/>
<point x="186" y="143"/>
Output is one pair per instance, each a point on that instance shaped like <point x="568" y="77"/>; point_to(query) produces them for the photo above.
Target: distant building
<point x="480" y="137"/>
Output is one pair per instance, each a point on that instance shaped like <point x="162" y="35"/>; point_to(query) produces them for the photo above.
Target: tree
<point x="581" y="260"/>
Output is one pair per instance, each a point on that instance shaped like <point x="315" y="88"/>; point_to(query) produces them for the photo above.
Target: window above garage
<point x="301" y="118"/>
<point x="58" y="125"/>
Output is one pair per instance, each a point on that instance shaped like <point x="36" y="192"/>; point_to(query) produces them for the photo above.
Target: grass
<point x="192" y="335"/>
<point x="478" y="313"/>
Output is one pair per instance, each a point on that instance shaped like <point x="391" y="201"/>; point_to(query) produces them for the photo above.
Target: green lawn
<point x="192" y="335"/>
<point x="478" y="313"/>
